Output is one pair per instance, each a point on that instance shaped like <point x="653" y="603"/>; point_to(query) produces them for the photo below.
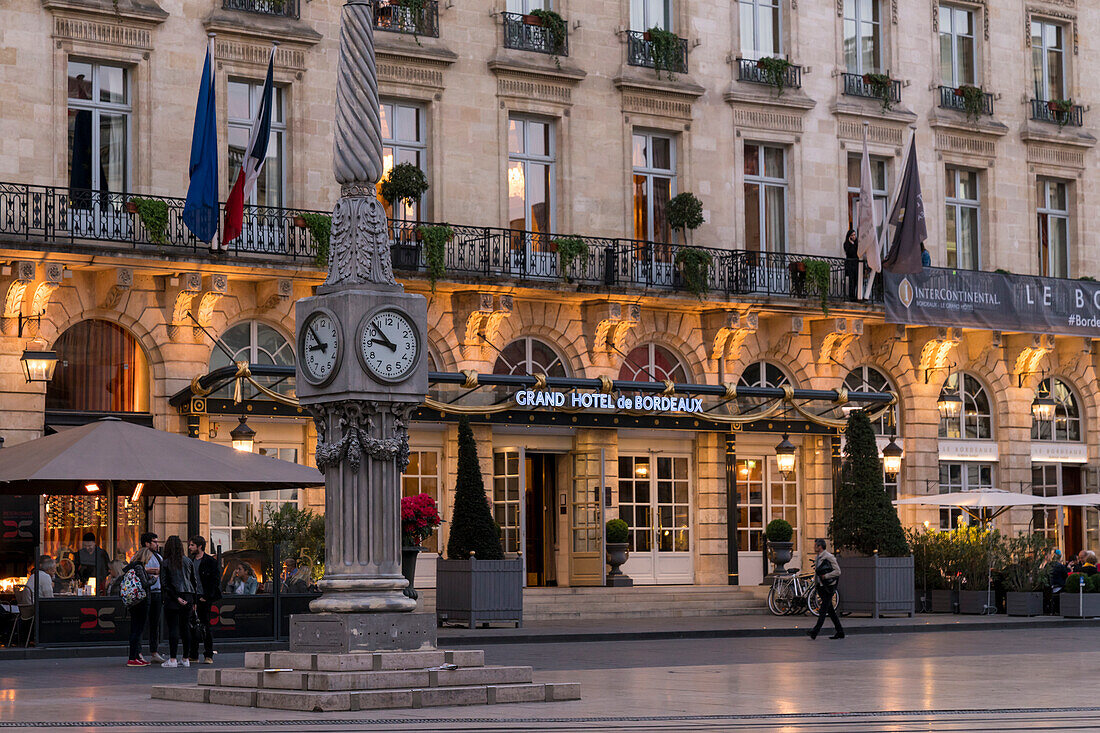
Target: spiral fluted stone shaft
<point x="357" y="145"/>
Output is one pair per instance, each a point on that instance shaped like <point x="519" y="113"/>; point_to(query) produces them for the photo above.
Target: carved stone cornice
<point x="646" y="94"/>
<point x="351" y="431"/>
<point x="726" y="330"/>
<point x="260" y="28"/>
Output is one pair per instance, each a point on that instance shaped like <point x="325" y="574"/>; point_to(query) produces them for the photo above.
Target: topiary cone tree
<point x="472" y="527"/>
<point x="864" y="520"/>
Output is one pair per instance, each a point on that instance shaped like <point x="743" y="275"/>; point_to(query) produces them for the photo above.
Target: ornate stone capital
<point x="357" y="428"/>
<point x="359" y="249"/>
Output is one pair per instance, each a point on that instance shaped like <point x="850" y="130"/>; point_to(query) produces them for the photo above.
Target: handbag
<point x="194" y="623"/>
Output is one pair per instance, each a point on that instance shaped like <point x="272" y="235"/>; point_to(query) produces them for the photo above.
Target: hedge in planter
<point x="405" y="184"/>
<point x="476" y="583"/>
<point x="1025" y="574"/>
<point x="1080" y="598"/>
<point x="685" y="213"/>
<point x="877" y="567"/>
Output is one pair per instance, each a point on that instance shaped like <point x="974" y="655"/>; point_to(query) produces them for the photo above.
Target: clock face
<point x="389" y="345"/>
<point x="320" y="348"/>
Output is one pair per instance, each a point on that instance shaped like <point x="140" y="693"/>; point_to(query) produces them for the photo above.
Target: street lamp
<point x="950" y="404"/>
<point x="784" y="456"/>
<point x="38" y="364"/>
<point x="891" y="458"/>
<point x="1042" y="408"/>
<point x="243" y="437"/>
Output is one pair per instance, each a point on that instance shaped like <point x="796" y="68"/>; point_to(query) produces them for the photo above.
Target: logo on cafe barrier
<point x="98" y="618"/>
<point x="222" y="615"/>
<point x="17" y="529"/>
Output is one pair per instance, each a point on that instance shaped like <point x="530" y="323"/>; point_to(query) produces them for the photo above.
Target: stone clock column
<point x="361" y="365"/>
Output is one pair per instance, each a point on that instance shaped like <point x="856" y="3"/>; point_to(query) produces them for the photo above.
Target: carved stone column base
<point x="362" y="595"/>
<point x="361" y="632"/>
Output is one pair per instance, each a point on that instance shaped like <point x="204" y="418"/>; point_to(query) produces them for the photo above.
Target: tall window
<point x="1048" y="64"/>
<point x="530" y="356"/>
<point x="962" y="477"/>
<point x="646" y="14"/>
<point x="1065" y="425"/>
<point x="869" y="379"/>
<point x="256" y="343"/>
<point x="422" y="477"/>
<point x="244" y="101"/>
<point x="761" y="28"/>
<point x="652" y="363"/>
<point x="759" y="374"/>
<point x="101" y="368"/>
<point x="230" y="514"/>
<point x="765" y="198"/>
<point x="963" y="220"/>
<point x="99" y="127"/>
<point x="863" y="36"/>
<point x="526" y="6"/>
<point x="530" y="175"/>
<point x="879" y="189"/>
<point x="975" y="419"/>
<point x="404" y="140"/>
<point x="957" y="46"/>
<point x="654" y="158"/>
<point x="1053" y="213"/>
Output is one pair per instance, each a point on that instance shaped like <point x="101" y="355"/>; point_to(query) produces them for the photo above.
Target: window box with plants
<point x="780" y="548"/>
<point x="476" y="583"/>
<point x="617" y="533"/>
<point x="1025" y="574"/>
<point x="1080" y="598"/>
<point x="876" y="564"/>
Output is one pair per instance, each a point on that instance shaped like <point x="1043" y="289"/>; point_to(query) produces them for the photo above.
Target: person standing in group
<point x="139" y="611"/>
<point x="178" y="583"/>
<point x="827" y="570"/>
<point x="150" y="542"/>
<point x="851" y="263"/>
<point x="209" y="575"/>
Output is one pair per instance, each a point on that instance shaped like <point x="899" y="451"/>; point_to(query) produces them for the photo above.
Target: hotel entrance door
<point x="524" y="486"/>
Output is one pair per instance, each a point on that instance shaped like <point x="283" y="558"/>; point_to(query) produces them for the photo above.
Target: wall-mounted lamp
<point x="785" y="456"/>
<point x="891" y="458"/>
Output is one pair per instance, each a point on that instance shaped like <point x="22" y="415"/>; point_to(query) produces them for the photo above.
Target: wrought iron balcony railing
<point x="1045" y="111"/>
<point x="527" y="36"/>
<point x="750" y="70"/>
<point x="858" y="85"/>
<point x="639" y="52"/>
<point x="951" y="99"/>
<point x="282" y="8"/>
<point x="406" y="16"/>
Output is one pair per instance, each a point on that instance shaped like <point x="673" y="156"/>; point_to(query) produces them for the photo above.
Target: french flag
<point x="254" y="158"/>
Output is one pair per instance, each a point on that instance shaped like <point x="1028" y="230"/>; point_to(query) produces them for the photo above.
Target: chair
<point x="26" y="614"/>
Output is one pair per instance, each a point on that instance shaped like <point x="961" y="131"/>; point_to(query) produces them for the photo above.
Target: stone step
<point x="672" y="613"/>
<point x="716" y="603"/>
<point x="363" y="661"/>
<point x="328" y="701"/>
<point x="304" y="680"/>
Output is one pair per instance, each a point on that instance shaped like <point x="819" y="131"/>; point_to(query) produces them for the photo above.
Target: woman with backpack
<point x="178" y="581"/>
<point x="134" y="589"/>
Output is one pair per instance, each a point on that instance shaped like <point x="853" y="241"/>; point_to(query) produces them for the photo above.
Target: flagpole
<point x="894" y="199"/>
<point x="215" y="242"/>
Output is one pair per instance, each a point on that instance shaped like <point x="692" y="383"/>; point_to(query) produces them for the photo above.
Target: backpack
<point x="133" y="588"/>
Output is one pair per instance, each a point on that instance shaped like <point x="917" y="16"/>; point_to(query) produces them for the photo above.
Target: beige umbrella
<point x="973" y="502"/>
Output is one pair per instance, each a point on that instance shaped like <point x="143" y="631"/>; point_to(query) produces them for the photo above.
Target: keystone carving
<point x="478" y="315"/>
<point x="606" y="324"/>
<point x="935" y="348"/>
<point x="1032" y="349"/>
<point x="884" y="338"/>
<point x="214" y="287"/>
<point x="725" y="331"/>
<point x="182" y="296"/>
<point x="17" y="289"/>
<point x="272" y="293"/>
<point x="116" y="284"/>
<point x="832" y="338"/>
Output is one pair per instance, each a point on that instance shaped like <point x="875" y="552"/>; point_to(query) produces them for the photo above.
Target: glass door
<point x="586" y="519"/>
<point x="764" y="494"/>
<point x="655" y="502"/>
<point x="508" y="509"/>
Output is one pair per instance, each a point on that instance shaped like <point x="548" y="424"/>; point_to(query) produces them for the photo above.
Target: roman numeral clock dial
<point x="319" y="349"/>
<point x="389" y="345"/>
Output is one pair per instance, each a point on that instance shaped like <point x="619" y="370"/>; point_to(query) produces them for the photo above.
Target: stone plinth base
<point x="334" y="633"/>
<point x="620" y="581"/>
<point x="366" y="681"/>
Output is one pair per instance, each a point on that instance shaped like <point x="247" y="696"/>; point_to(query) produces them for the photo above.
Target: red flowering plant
<point x="419" y="518"/>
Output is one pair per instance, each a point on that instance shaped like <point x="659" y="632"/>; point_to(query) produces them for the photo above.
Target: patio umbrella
<point x="1076" y="500"/>
<point x="973" y="502"/>
<point x="115" y="456"/>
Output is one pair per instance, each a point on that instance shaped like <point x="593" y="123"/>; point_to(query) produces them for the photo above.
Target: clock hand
<point x="318" y="347"/>
<point x="321" y="345"/>
<point x="385" y="340"/>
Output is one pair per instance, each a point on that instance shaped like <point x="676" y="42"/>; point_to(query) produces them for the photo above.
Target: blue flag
<point x="200" y="211"/>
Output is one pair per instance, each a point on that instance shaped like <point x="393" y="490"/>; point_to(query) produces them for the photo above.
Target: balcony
<point x="281" y="8"/>
<point x="951" y="99"/>
<point x="750" y="70"/>
<point x="1044" y="111"/>
<point x="402" y="16"/>
<point x="523" y="34"/>
<point x="858" y="85"/>
<point x="639" y="52"/>
<point x="50" y="215"/>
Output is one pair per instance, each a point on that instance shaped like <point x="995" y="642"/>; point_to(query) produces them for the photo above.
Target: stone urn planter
<point x="409" y="554"/>
<point x="977" y="602"/>
<point x="1024" y="603"/>
<point x="617" y="554"/>
<point x="1079" y="605"/>
<point x="780" y="554"/>
<point x="942" y="601"/>
<point x="479" y="591"/>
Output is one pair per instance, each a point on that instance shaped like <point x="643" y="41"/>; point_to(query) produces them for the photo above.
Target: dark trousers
<point x="203" y="608"/>
<point x="825" y="593"/>
<point x="177" y="619"/>
<point x="156" y="608"/>
<point x="851" y="274"/>
<point x="138" y="613"/>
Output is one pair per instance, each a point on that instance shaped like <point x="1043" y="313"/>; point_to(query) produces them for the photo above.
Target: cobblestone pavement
<point x="996" y="680"/>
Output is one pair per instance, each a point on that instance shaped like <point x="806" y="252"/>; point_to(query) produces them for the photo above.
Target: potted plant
<point x="685" y="214"/>
<point x="570" y="250"/>
<point x="299" y="221"/>
<point x="476" y="583"/>
<point x="797" y="270"/>
<point x="665" y="48"/>
<point x="556" y="28"/>
<point x="1060" y="109"/>
<point x="1025" y="574"/>
<point x="1080" y="598"/>
<point x="435" y="240"/>
<point x="694" y="266"/>
<point x="414" y="12"/>
<point x="973" y="99"/>
<point x="881" y="86"/>
<point x="320" y="228"/>
<point x="774" y="70"/>
<point x="877" y="564"/>
<point x="780" y="548"/>
<point x="154" y="217"/>
<point x="818" y="276"/>
<point x="617" y="533"/>
<point x="419" y="518"/>
<point x="980" y="549"/>
<point x="404" y="185"/>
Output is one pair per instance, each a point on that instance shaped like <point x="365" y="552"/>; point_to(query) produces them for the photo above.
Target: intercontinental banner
<point x="990" y="300"/>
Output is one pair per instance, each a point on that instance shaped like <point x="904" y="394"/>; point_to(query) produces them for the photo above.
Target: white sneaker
<point x="171" y="663"/>
<point x="157" y="658"/>
<point x="185" y="662"/>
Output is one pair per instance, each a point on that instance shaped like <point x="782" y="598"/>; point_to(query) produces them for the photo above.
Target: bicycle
<point x="796" y="593"/>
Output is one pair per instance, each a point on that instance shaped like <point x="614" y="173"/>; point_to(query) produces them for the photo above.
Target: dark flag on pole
<point x="910" y="229"/>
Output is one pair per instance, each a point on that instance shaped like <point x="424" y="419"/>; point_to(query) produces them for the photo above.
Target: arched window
<point x="256" y="343"/>
<point x="1066" y="423"/>
<point x="652" y="363"/>
<point x="975" y="419"/>
<point x="530" y="356"/>
<point x="101" y="368"/>
<point x="869" y="379"/>
<point x="760" y="374"/>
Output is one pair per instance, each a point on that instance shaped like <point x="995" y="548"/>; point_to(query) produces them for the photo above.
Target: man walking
<point x="209" y="575"/>
<point x="156" y="604"/>
<point x="827" y="570"/>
